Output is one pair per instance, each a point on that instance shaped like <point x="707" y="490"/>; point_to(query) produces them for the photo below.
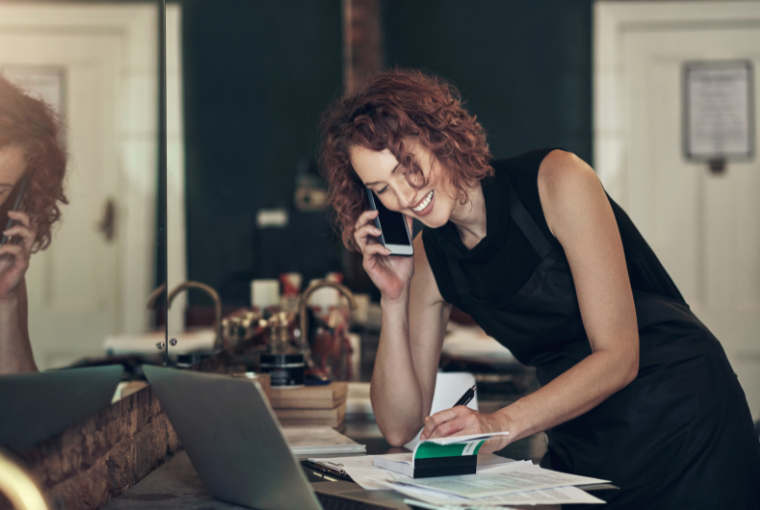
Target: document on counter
<point x="362" y="470"/>
<point x="500" y="483"/>
<point x="555" y="496"/>
<point x="320" y="442"/>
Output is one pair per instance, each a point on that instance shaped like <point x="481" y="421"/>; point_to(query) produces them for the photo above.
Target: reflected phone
<point x="15" y="199"/>
<point x="395" y="230"/>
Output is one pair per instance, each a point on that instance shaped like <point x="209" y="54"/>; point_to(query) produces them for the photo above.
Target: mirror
<point x="257" y="76"/>
<point x="95" y="67"/>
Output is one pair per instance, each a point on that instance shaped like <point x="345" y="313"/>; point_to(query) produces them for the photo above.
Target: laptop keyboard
<point x="330" y="502"/>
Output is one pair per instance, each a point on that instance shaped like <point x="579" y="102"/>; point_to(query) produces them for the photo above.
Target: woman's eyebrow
<point x="368" y="183"/>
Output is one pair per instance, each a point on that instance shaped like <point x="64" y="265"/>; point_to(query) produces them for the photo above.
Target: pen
<point x="465" y="399"/>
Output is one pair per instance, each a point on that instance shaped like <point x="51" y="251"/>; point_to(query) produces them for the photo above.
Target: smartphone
<point x="15" y="198"/>
<point x="395" y="230"/>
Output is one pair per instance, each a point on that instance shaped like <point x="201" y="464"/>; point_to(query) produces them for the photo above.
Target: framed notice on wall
<point x="718" y="120"/>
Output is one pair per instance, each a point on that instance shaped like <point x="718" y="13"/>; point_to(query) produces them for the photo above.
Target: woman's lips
<point x="430" y="198"/>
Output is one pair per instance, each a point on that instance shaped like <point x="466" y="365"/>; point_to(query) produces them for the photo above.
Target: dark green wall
<point x="524" y="68"/>
<point x="257" y="75"/>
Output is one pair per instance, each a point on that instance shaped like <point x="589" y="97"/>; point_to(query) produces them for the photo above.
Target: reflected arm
<point x="15" y="348"/>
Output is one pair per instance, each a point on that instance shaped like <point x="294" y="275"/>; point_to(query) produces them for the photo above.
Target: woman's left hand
<point x="463" y="421"/>
<point x="14" y="256"/>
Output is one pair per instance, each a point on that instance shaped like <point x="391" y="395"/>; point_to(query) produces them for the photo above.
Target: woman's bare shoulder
<point x="564" y="179"/>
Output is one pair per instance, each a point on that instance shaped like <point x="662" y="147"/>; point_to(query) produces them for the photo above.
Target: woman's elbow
<point x="398" y="439"/>
<point x="395" y="432"/>
<point x="632" y="371"/>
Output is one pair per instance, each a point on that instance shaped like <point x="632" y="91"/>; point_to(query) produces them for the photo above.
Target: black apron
<point x="680" y="435"/>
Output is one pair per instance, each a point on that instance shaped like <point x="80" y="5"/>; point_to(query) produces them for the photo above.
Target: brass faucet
<point x="304" y="301"/>
<point x="219" y="340"/>
<point x="18" y="486"/>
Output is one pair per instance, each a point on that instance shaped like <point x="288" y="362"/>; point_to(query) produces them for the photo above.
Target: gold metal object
<point x="303" y="303"/>
<point x="18" y="486"/>
<point x="279" y="331"/>
<point x="220" y="340"/>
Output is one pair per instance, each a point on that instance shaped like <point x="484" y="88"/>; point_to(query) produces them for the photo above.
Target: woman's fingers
<point x="366" y="235"/>
<point x="364" y="227"/>
<point x="376" y="249"/>
<point x="19" y="217"/>
<point x="440" y="424"/>
<point x="25" y="233"/>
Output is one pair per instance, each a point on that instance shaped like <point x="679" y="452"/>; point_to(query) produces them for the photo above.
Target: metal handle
<point x="107" y="223"/>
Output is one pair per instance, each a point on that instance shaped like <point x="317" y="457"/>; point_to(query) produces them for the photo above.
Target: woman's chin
<point x="433" y="221"/>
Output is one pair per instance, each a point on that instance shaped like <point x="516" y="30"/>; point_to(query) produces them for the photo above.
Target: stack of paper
<point x="498" y="482"/>
<point x="320" y="442"/>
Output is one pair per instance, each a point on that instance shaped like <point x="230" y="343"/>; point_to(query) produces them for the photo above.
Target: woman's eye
<point x="382" y="190"/>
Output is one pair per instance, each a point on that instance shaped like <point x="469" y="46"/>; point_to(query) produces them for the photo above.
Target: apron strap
<point x="527" y="225"/>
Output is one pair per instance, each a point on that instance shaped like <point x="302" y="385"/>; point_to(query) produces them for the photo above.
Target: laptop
<point x="239" y="450"/>
<point x="39" y="405"/>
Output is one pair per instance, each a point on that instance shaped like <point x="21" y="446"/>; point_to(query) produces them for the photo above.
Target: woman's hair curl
<point x="393" y="106"/>
<point x="31" y="125"/>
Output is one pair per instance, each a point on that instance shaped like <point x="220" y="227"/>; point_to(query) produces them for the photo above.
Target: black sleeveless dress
<point x="681" y="434"/>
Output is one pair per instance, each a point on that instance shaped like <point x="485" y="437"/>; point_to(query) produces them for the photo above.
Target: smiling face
<point x="382" y="173"/>
<point x="12" y="167"/>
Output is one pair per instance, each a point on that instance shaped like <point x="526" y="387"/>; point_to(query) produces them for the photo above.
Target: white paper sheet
<point x="420" y="504"/>
<point x="363" y="471"/>
<point x="555" y="496"/>
<point x="320" y="441"/>
<point x="465" y="439"/>
<point x="498" y="483"/>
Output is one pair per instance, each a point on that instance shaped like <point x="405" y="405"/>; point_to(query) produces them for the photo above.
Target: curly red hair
<point x="393" y="106"/>
<point x="32" y="125"/>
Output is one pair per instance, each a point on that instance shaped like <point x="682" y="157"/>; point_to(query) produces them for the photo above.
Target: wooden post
<point x="362" y="42"/>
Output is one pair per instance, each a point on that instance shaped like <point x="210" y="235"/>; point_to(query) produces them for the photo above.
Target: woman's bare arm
<point x="15" y="348"/>
<point x="407" y="358"/>
<point x="580" y="216"/>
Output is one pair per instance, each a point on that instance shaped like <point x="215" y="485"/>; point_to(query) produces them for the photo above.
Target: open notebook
<point x="446" y="456"/>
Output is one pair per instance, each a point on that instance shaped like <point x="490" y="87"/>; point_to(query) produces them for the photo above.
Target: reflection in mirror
<point x="94" y="67"/>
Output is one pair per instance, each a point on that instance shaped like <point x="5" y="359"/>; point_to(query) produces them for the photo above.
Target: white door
<point x="704" y="227"/>
<point x="86" y="286"/>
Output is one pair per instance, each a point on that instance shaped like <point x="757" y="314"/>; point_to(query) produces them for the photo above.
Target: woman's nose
<point x="405" y="194"/>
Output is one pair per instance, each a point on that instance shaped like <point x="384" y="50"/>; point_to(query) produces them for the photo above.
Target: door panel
<point x="704" y="227"/>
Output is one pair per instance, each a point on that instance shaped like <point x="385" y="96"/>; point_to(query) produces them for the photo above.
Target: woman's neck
<point x="470" y="217"/>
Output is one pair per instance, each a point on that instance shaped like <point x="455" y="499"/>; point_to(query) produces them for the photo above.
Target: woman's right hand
<point x="390" y="274"/>
<point x="14" y="257"/>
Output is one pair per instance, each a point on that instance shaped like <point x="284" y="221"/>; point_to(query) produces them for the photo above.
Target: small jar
<point x="285" y="370"/>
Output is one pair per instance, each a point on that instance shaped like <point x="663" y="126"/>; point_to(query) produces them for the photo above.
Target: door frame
<point x="137" y="135"/>
<point x="612" y="19"/>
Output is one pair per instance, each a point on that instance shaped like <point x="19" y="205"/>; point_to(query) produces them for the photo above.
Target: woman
<point x="634" y="388"/>
<point x="30" y="148"/>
